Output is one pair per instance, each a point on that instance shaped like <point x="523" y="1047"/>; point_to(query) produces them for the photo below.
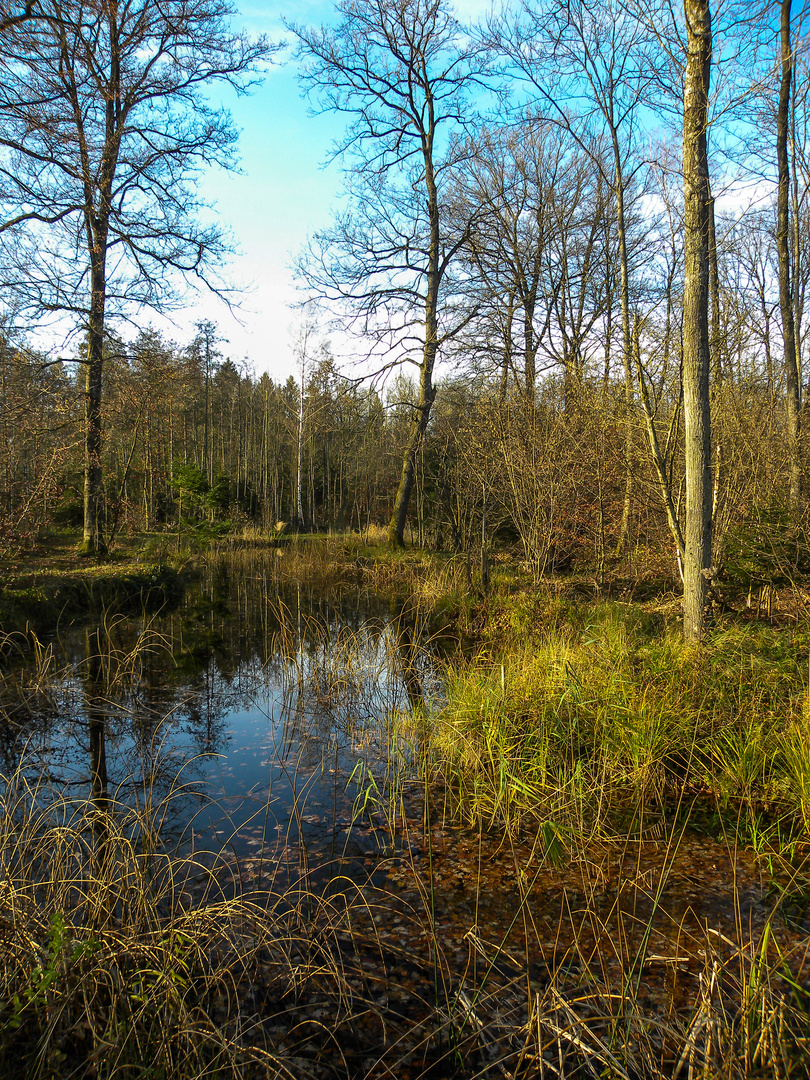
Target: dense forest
<point x="519" y="264"/>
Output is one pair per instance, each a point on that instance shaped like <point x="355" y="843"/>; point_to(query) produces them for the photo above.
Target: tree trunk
<point x="793" y="384"/>
<point x="427" y="391"/>
<point x="96" y="215"/>
<point x="716" y="345"/>
<point x="624" y="530"/>
<point x="299" y="499"/>
<point x="696" y="358"/>
<point x="530" y="348"/>
<point x="797" y="245"/>
<point x="659" y="457"/>
<point x="92" y="538"/>
<point x="506" y="359"/>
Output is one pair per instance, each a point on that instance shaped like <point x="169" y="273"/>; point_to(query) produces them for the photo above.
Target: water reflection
<point x="96" y="722"/>
<point x="260" y="719"/>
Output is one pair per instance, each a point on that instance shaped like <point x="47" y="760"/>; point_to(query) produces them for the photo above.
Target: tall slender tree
<point x="401" y="71"/>
<point x="105" y="125"/>
<point x="696" y="357"/>
<point x="786" y="305"/>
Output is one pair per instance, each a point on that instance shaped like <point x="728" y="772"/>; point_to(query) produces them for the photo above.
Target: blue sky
<point x="280" y="197"/>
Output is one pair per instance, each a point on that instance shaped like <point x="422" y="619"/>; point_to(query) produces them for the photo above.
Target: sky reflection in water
<point x="256" y="720"/>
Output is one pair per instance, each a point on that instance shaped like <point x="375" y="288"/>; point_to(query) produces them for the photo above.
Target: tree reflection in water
<point x="243" y="714"/>
<point x="96" y="723"/>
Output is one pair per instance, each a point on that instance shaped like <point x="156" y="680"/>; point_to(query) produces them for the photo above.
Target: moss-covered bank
<point x="42" y="602"/>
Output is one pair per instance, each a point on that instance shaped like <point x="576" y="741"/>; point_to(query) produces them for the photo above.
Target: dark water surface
<point x="255" y="718"/>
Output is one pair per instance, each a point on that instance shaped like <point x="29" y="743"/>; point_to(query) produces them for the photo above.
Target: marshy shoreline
<point x="53" y="586"/>
<point x="601" y="868"/>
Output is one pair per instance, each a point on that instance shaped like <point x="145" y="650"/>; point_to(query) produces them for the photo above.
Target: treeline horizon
<point x="195" y="441"/>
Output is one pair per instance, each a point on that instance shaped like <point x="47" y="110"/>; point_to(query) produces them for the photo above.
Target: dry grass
<point x="105" y="963"/>
<point x="119" y="960"/>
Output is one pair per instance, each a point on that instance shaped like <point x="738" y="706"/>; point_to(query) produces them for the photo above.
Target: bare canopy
<point x="105" y="126"/>
<point x="401" y="71"/>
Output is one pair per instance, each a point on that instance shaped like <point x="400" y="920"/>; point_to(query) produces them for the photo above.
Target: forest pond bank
<point x="279" y="742"/>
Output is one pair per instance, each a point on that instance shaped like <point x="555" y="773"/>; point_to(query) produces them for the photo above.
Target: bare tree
<point x="540" y="242"/>
<point x="105" y="126"/>
<point x="9" y="17"/>
<point x="696" y="358"/>
<point x="401" y="70"/>
<point x="512" y="177"/>
<point x="591" y="66"/>
<point x="783" y="251"/>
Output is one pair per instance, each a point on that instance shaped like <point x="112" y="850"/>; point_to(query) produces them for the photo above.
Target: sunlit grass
<point x="586" y="718"/>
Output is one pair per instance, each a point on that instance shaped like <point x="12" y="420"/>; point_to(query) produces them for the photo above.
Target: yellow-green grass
<point x="577" y="719"/>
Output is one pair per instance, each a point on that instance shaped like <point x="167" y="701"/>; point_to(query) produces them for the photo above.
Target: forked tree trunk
<point x="696" y="358"/>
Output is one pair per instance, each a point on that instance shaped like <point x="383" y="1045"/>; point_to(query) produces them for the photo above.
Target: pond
<point x="262" y="721"/>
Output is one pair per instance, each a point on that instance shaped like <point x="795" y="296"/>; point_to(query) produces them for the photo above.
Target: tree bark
<point x="659" y="457"/>
<point x="529" y="344"/>
<point x="696" y="355"/>
<point x="97" y="209"/>
<point x="624" y="530"/>
<point x="427" y="394"/>
<point x="792" y="380"/>
<point x="92" y="536"/>
<point x="716" y="344"/>
<point x="506" y="358"/>
<point x="427" y="391"/>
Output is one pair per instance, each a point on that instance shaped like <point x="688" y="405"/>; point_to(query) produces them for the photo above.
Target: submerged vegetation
<point x="115" y="955"/>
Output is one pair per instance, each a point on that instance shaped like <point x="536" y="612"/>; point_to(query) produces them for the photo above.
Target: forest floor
<point x="56" y="557"/>
<point x="50" y="583"/>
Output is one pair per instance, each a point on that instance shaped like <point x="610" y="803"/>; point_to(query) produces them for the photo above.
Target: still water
<point x="252" y="718"/>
